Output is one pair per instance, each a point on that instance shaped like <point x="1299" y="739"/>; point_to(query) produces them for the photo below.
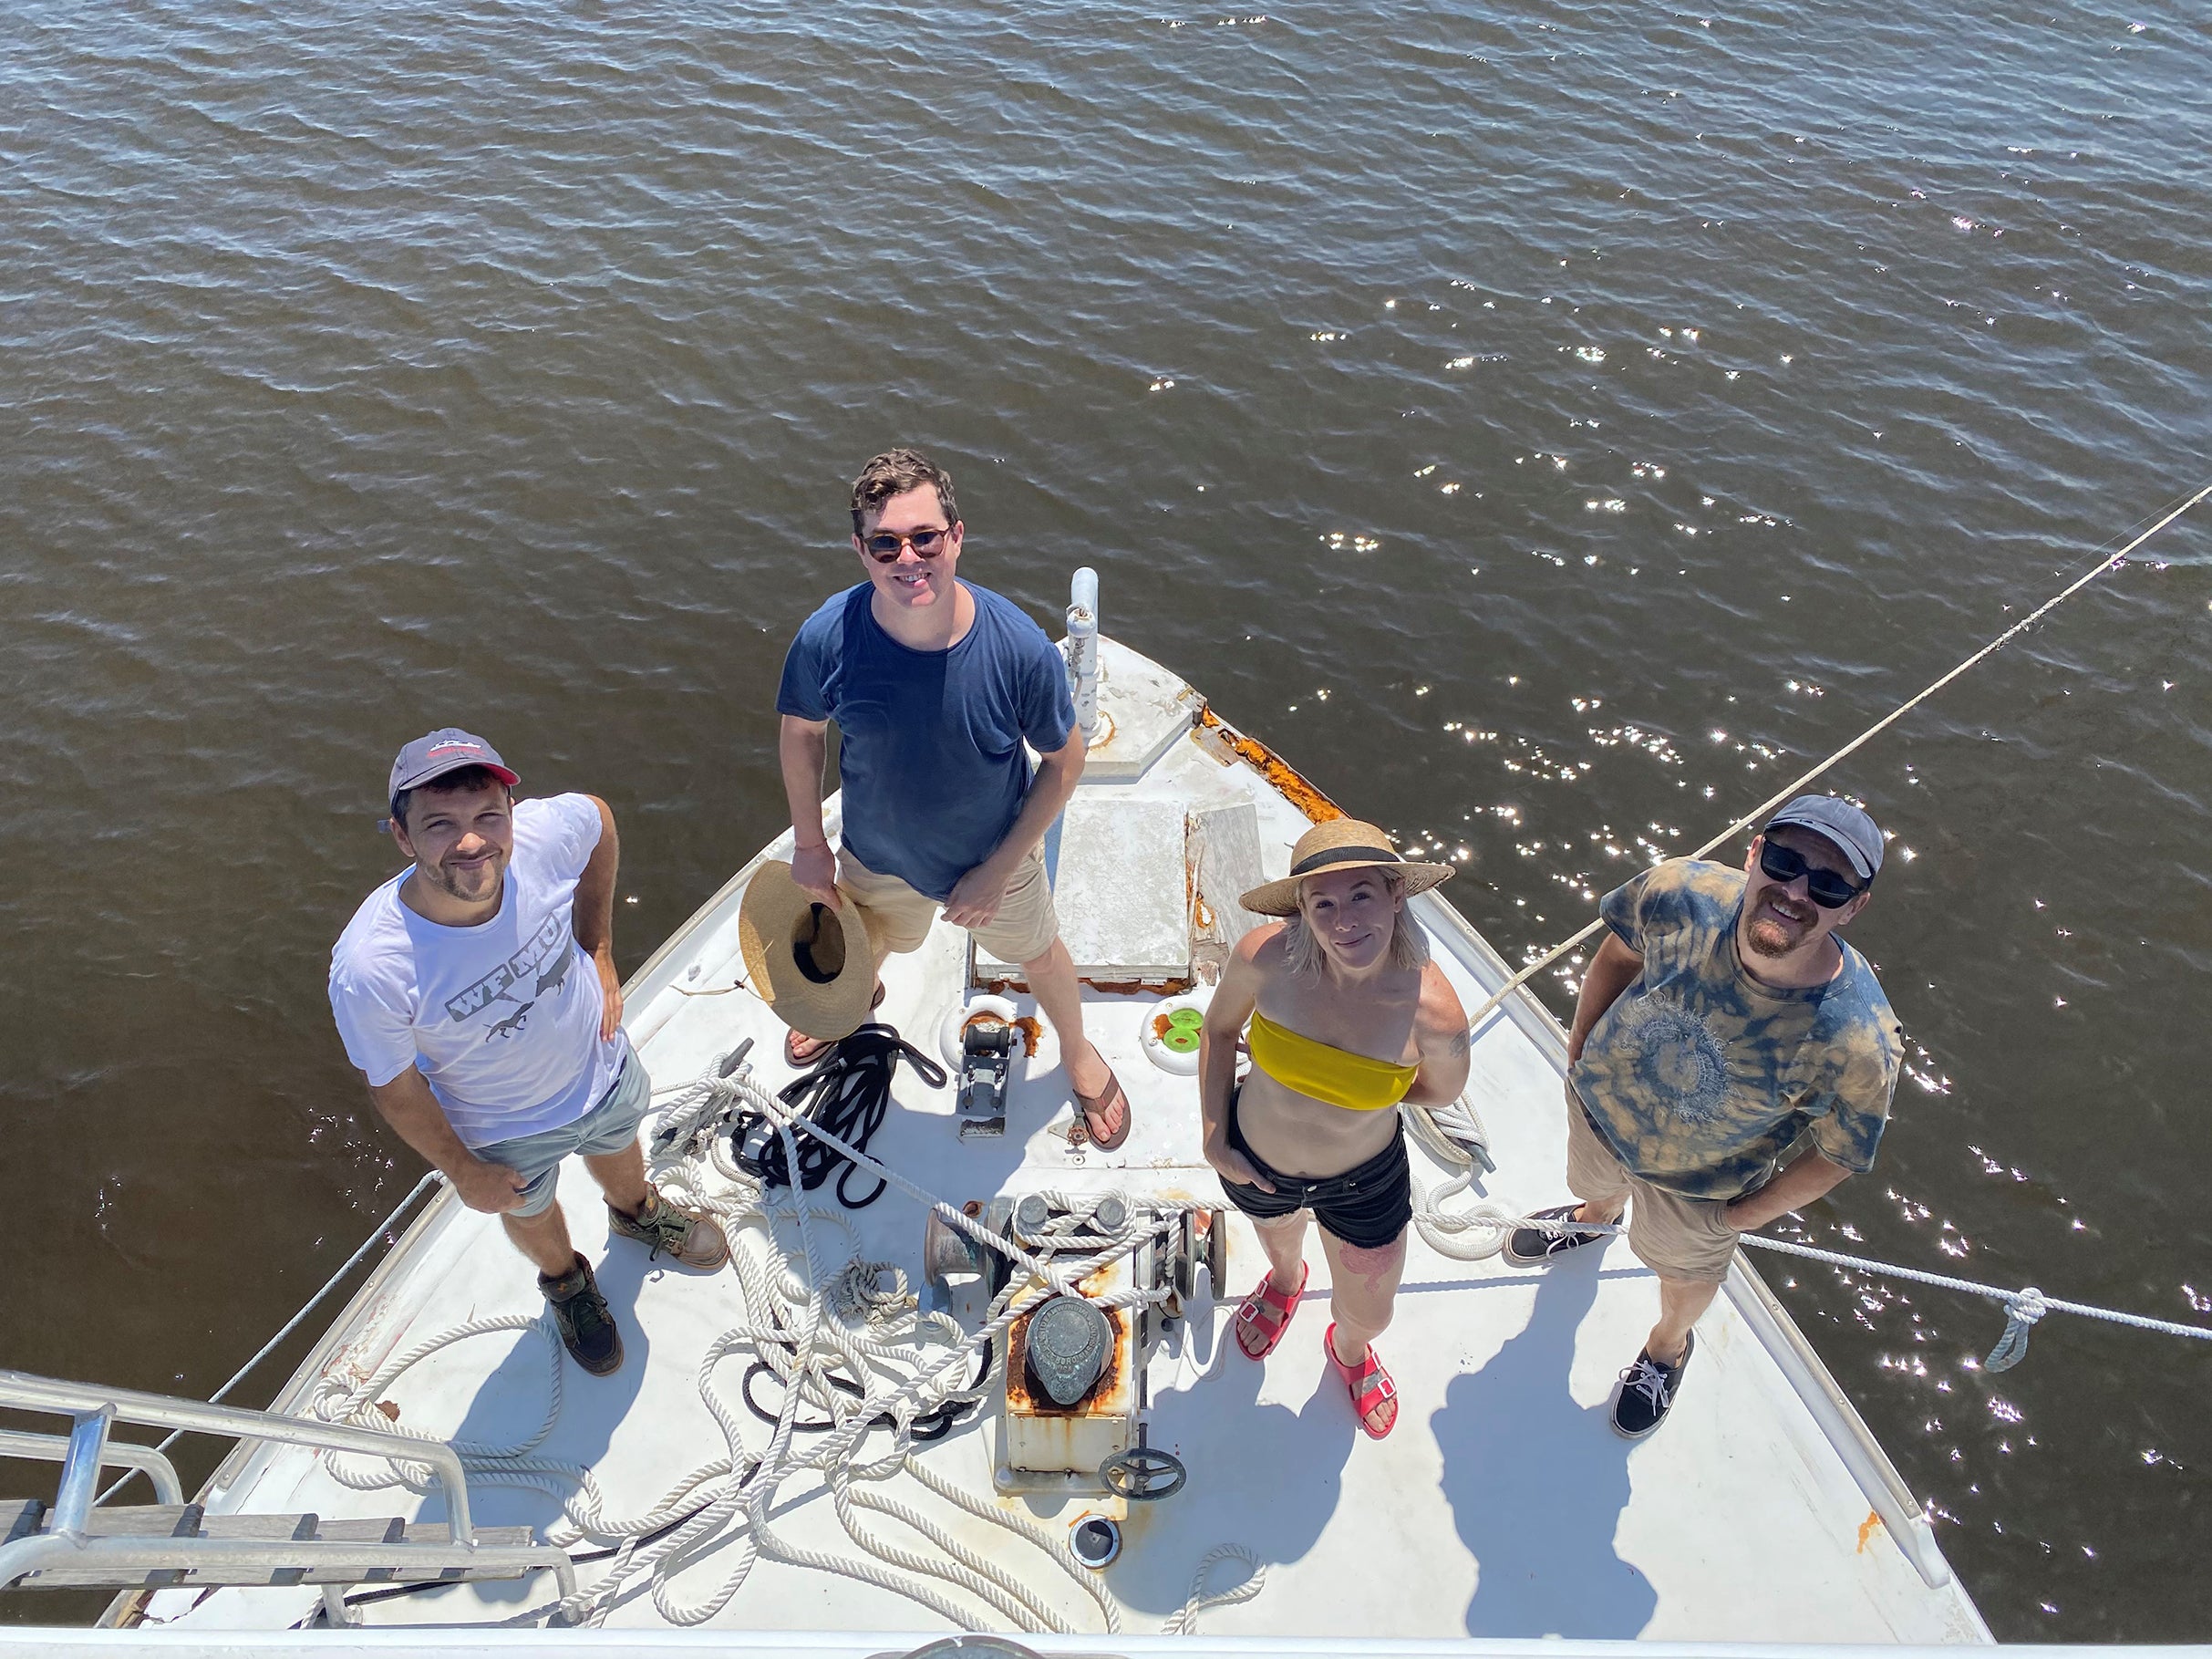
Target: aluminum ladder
<point x="74" y="1542"/>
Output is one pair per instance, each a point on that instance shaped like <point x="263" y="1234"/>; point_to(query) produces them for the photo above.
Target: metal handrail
<point x="27" y="1393"/>
<point x="50" y="1551"/>
<point x="80" y="1471"/>
<point x="116" y="1455"/>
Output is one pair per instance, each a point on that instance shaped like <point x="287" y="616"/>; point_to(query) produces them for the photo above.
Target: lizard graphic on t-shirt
<point x="512" y="1023"/>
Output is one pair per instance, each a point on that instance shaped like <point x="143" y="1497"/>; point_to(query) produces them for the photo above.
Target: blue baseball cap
<point x="435" y="754"/>
<point x="1855" y="834"/>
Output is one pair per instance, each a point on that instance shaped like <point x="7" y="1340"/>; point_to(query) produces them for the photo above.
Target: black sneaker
<point x="587" y="1329"/>
<point x="1533" y="1247"/>
<point x="1647" y="1390"/>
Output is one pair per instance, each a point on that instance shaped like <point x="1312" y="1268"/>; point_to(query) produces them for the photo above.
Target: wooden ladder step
<point x="198" y="1578"/>
<point x="190" y="1520"/>
<point x="28" y="1516"/>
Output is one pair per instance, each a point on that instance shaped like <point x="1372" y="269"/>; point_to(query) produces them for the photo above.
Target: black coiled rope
<point x="930" y="1425"/>
<point x="848" y="1094"/>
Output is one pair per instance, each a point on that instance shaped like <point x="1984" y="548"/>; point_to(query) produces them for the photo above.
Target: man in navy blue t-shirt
<point x="935" y="685"/>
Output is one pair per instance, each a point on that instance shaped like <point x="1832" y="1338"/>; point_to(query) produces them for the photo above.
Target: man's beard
<point x="1769" y="937"/>
<point x="449" y="882"/>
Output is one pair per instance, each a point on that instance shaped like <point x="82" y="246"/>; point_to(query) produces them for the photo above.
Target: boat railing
<point x="149" y="1461"/>
<point x="76" y="1542"/>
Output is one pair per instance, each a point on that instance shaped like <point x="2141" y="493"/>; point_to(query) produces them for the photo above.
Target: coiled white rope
<point x="807" y="1321"/>
<point x="1453" y="1135"/>
<point x="1462" y="1235"/>
<point x="744" y="1509"/>
<point x="1185" y="1621"/>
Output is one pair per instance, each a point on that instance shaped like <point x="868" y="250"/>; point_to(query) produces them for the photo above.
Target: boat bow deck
<point x="1501" y="1506"/>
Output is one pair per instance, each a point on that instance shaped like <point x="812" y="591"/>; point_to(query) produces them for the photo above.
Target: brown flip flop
<point x="794" y="1037"/>
<point x="1101" y="1105"/>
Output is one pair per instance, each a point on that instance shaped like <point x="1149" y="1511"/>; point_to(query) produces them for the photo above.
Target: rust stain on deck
<point x="1173" y="987"/>
<point x="1867" y="1529"/>
<point x="1032" y="1029"/>
<point x="1270" y="766"/>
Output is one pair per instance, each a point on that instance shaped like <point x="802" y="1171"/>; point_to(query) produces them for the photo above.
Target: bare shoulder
<point x="1256" y="959"/>
<point x="1262" y="948"/>
<point x="1442" y="1018"/>
<point x="1439" y="1000"/>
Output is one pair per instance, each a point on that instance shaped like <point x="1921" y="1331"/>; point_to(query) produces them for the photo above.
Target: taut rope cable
<point x="2022" y="1307"/>
<point x="429" y="1180"/>
<point x="1491" y="1225"/>
<point x="2109" y="562"/>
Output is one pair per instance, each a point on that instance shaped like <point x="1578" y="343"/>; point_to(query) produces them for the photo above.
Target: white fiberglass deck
<point x="1503" y="1505"/>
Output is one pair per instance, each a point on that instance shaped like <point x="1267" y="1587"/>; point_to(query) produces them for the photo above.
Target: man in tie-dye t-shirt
<point x="1731" y="1059"/>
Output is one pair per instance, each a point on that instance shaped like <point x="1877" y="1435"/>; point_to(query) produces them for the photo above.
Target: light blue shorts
<point x="609" y="1127"/>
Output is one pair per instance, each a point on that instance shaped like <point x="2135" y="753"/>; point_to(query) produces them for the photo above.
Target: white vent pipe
<point x="1083" y="651"/>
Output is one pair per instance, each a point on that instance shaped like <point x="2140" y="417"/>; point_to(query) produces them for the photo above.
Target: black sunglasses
<point x="884" y="545"/>
<point x="1827" y="889"/>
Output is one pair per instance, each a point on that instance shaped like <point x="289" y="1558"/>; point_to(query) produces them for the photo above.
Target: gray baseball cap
<point x="436" y="753"/>
<point x="1855" y="834"/>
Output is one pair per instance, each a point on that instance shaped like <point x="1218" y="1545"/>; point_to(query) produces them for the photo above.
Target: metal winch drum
<point x="1072" y="1389"/>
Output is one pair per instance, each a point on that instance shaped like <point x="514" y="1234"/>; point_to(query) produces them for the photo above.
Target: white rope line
<point x="1185" y="1621"/>
<point x="2110" y="562"/>
<point x="2022" y="1307"/>
<point x="1476" y="1234"/>
<point x="1460" y="1235"/>
<point x="806" y="1322"/>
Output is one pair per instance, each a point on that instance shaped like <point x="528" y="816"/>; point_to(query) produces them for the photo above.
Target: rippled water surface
<point x="1547" y="425"/>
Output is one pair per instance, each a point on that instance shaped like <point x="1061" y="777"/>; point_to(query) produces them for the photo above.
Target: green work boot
<point x="696" y="1241"/>
<point x="587" y="1329"/>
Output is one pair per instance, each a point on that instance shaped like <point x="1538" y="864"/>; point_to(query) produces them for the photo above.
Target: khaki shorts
<point x="1675" y="1237"/>
<point x="898" y="917"/>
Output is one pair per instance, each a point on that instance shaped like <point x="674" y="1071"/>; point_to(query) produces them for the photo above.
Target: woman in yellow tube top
<point x="1348" y="1016"/>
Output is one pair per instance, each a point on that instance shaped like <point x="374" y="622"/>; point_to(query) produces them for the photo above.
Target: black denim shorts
<point x="1367" y="1206"/>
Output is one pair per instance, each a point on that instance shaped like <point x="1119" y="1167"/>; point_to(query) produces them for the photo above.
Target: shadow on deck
<point x="1537" y="1483"/>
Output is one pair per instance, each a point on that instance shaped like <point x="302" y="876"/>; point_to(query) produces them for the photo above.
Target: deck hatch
<point x="1120" y="890"/>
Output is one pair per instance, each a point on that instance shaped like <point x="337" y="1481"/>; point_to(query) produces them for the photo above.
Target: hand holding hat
<point x="812" y="963"/>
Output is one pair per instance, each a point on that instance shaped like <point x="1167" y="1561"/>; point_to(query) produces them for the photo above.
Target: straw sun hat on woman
<point x="1342" y="844"/>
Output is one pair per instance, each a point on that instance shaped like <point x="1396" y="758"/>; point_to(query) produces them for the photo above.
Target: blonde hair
<point x="1305" y="954"/>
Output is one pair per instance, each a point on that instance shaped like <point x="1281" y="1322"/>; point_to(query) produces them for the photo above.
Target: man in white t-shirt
<point x="476" y="990"/>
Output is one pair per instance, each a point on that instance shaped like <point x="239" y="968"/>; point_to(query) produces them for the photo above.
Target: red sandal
<point x="1284" y="1302"/>
<point x="1369" y="1383"/>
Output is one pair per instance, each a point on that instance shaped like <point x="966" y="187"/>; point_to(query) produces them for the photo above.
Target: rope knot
<point x="2023" y="1308"/>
